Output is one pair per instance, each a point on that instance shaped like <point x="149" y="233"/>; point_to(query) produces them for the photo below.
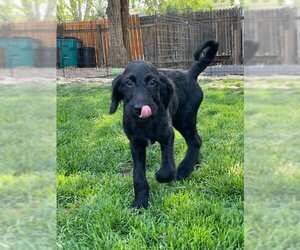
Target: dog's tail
<point x="211" y="48"/>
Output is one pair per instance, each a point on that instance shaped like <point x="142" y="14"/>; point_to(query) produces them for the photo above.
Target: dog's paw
<point x="140" y="203"/>
<point x="183" y="172"/>
<point x="163" y="176"/>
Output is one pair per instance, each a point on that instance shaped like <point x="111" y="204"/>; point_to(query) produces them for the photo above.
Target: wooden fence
<point x="169" y="41"/>
<point x="175" y="38"/>
<point x="278" y="33"/>
<point x="96" y="34"/>
<point x="44" y="32"/>
<point x="166" y="40"/>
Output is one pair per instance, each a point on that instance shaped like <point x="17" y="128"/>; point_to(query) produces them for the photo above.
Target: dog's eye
<point x="152" y="83"/>
<point x="129" y="83"/>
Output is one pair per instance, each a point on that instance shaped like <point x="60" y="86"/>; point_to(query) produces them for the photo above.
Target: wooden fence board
<point x="163" y="38"/>
<point x="171" y="40"/>
<point x="41" y="31"/>
<point x="133" y="55"/>
<point x="275" y="30"/>
<point x="297" y="15"/>
<point x="88" y="33"/>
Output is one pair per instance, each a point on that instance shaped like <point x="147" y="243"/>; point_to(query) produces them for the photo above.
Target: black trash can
<point x="87" y="57"/>
<point x="45" y="57"/>
<point x="57" y="58"/>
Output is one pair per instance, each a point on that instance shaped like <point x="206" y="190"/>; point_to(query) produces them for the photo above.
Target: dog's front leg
<point x="141" y="187"/>
<point x="167" y="171"/>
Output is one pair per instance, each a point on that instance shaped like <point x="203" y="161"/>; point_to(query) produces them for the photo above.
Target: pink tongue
<point x="146" y="112"/>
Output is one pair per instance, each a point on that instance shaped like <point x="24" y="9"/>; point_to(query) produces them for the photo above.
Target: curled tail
<point x="211" y="48"/>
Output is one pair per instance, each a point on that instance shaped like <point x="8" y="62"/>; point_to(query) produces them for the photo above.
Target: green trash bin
<point x="3" y="42"/>
<point x="68" y="51"/>
<point x="19" y="51"/>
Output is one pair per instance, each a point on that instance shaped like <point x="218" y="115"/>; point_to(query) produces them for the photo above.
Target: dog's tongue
<point x="146" y="112"/>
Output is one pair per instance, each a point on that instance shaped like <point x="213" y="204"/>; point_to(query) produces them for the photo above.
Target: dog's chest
<point x="150" y="131"/>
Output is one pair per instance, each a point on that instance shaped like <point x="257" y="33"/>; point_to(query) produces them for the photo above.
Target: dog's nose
<point x="138" y="108"/>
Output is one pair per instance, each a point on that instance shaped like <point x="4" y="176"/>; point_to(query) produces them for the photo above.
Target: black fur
<point x="174" y="98"/>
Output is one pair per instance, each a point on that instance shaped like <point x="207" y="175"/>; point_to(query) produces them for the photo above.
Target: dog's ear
<point x="167" y="89"/>
<point x="116" y="95"/>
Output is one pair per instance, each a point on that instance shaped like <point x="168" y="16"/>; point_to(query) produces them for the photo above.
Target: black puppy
<point x="155" y="101"/>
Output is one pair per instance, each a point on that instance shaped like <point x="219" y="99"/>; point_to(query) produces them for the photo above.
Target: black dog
<point x="155" y="102"/>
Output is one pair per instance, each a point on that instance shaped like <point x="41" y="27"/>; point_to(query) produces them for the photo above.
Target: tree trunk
<point x="28" y="10"/>
<point x="50" y="11"/>
<point x="73" y="4"/>
<point x="87" y="10"/>
<point x="79" y="10"/>
<point x="118" y="55"/>
<point x="125" y="22"/>
<point x="37" y="11"/>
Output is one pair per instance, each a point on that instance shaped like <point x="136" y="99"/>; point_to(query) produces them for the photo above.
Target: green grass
<point x="27" y="166"/>
<point x="94" y="178"/>
<point x="272" y="173"/>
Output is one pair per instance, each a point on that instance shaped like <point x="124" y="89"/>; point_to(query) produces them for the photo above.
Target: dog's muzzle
<point x="143" y="111"/>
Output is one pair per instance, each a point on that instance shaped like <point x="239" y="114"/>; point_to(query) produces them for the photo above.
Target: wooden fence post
<point x="100" y="46"/>
<point x="237" y="39"/>
<point x="289" y="39"/>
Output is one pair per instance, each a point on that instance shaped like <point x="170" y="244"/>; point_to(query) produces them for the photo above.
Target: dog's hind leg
<point x="191" y="158"/>
<point x="167" y="171"/>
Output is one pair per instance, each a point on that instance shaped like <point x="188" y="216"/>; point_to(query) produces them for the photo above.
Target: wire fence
<point x="166" y="41"/>
<point x="84" y="49"/>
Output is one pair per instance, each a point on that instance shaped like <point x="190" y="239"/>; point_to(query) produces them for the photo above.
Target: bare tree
<point x="118" y="13"/>
<point x="50" y="11"/>
<point x="76" y="10"/>
<point x="88" y="9"/>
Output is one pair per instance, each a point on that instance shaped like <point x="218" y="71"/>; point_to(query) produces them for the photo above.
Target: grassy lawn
<point x="94" y="177"/>
<point x="27" y="166"/>
<point x="272" y="161"/>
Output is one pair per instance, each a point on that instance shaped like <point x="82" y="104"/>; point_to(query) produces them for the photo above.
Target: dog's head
<point x="144" y="90"/>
